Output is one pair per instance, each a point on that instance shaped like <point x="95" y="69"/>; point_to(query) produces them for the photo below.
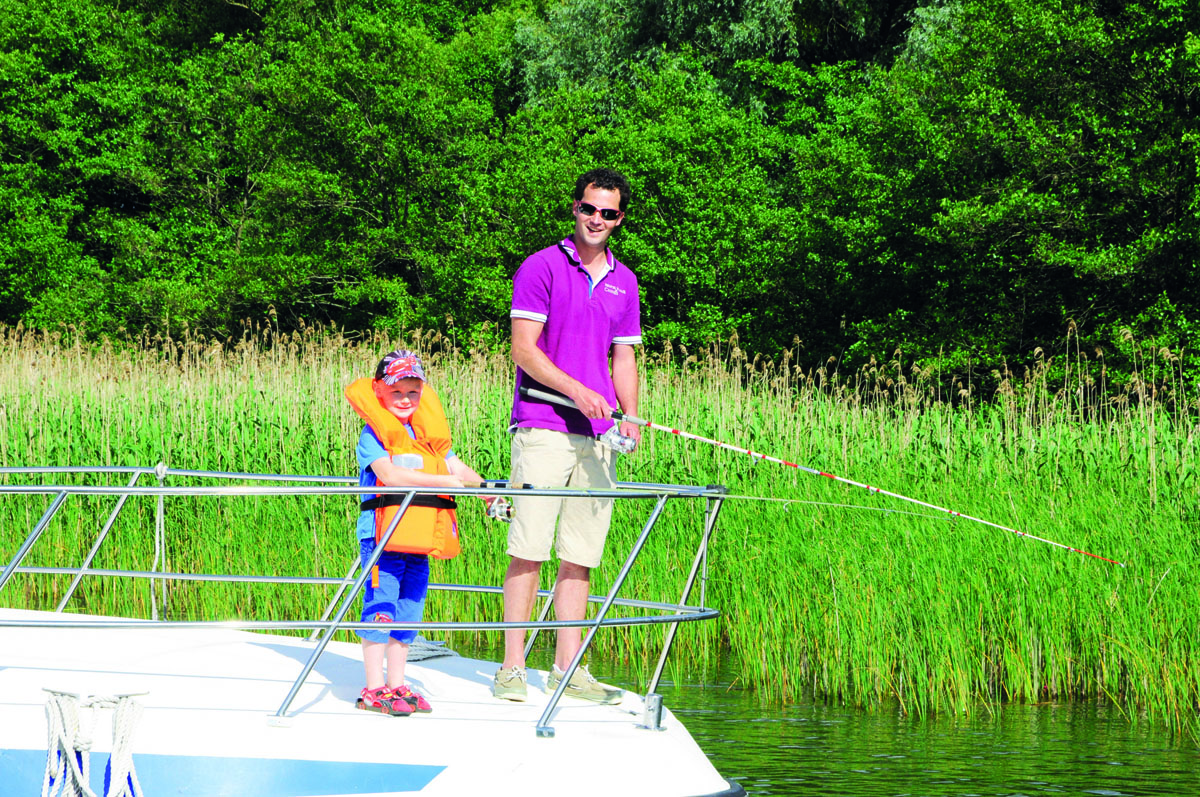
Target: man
<point x="575" y="322"/>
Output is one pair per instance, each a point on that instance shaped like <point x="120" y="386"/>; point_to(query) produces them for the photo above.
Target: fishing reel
<point x="622" y="444"/>
<point x="500" y="509"/>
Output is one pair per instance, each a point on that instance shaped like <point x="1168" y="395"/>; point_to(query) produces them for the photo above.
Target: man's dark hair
<point x="608" y="179"/>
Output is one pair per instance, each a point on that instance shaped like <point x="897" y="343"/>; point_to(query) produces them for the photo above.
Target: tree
<point x="68" y="122"/>
<point x="1022" y="166"/>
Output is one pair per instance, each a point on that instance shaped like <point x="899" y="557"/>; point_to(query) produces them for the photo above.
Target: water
<point x="1059" y="749"/>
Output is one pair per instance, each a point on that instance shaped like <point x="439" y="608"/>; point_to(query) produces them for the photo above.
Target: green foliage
<point x="64" y="108"/>
<point x="968" y="180"/>
<point x="599" y="44"/>
<point x="822" y="30"/>
<point x="1020" y="169"/>
<point x="1056" y="136"/>
<point x="709" y="228"/>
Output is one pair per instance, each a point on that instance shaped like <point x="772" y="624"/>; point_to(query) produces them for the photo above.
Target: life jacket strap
<point x="435" y="501"/>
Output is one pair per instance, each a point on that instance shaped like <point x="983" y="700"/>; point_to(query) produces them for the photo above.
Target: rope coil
<point x="69" y="745"/>
<point x="67" y="748"/>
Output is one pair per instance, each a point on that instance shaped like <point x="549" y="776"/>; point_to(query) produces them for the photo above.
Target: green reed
<point x="827" y="591"/>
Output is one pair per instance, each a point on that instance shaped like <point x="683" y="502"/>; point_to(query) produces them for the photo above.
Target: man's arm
<point x="533" y="361"/>
<point x="625" y="382"/>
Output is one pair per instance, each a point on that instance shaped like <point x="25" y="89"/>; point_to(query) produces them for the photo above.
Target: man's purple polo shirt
<point x="581" y="322"/>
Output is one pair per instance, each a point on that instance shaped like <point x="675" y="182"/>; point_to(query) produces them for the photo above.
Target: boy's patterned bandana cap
<point x="399" y="364"/>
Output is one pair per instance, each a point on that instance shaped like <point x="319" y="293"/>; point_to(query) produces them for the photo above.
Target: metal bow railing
<point x="333" y="617"/>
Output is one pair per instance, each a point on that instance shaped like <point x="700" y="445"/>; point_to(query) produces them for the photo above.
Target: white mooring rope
<point x="70" y="742"/>
<point x="123" y="781"/>
<point x="68" y="773"/>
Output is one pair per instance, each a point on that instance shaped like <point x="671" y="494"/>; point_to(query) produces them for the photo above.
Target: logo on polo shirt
<point x="613" y="289"/>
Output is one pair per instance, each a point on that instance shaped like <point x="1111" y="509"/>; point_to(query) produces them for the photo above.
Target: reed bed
<point x="828" y="592"/>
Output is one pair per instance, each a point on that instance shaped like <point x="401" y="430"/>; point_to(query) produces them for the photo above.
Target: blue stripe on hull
<point x="21" y="772"/>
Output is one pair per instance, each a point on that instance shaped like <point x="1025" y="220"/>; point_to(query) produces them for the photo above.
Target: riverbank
<point x="826" y="589"/>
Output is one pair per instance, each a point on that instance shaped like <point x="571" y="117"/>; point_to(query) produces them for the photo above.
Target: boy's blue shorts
<point x="400" y="596"/>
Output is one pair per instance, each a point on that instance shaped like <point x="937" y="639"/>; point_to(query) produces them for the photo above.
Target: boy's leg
<point x="413" y="572"/>
<point x="373" y="663"/>
<point x="381" y="603"/>
<point x="377" y="695"/>
<point x="412" y="584"/>
<point x="397" y="658"/>
<point x="378" y="604"/>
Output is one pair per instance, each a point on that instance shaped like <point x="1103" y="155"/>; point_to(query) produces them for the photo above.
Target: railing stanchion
<point x="47" y="516"/>
<point x="345" y="607"/>
<point x="710" y="523"/>
<point x="160" y="541"/>
<point x="544" y="728"/>
<point x="91" y="554"/>
<point x="337" y="595"/>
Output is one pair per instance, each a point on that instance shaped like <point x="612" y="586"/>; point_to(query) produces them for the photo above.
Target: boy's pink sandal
<point x="384" y="701"/>
<point x="414" y="699"/>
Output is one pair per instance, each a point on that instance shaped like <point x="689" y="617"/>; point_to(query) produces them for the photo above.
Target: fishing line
<point x="618" y="415"/>
<point x="831" y="505"/>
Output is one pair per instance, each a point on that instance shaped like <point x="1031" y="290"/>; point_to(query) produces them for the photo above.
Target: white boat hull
<point x="209" y="724"/>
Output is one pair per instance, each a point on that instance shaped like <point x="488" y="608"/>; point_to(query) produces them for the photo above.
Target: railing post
<point x="345" y="607"/>
<point x="87" y="560"/>
<point x="47" y="516"/>
<point x="710" y="523"/>
<point x="652" y="713"/>
<point x="533" y="632"/>
<point x="160" y="541"/>
<point x="543" y="727"/>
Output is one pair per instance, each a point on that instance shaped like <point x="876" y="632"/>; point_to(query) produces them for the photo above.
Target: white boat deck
<point x="209" y="725"/>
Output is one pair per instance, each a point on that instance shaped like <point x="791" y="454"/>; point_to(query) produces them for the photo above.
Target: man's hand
<point x="632" y="430"/>
<point x="591" y="403"/>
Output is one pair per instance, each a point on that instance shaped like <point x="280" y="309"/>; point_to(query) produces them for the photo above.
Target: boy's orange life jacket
<point x="429" y="529"/>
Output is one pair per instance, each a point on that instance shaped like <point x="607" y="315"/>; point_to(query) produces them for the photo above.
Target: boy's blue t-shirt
<point x="367" y="451"/>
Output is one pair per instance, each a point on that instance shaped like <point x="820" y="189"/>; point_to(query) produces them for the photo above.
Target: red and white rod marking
<point x="617" y="415"/>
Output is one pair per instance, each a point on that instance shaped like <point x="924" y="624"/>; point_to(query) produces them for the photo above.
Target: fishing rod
<point x="618" y="415"/>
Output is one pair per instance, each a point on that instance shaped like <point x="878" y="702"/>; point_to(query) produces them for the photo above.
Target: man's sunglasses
<point x="608" y="214"/>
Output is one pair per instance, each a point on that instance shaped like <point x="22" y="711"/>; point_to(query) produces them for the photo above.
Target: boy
<point x="406" y="442"/>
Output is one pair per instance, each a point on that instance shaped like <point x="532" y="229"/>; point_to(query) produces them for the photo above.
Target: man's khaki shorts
<point x="545" y="458"/>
